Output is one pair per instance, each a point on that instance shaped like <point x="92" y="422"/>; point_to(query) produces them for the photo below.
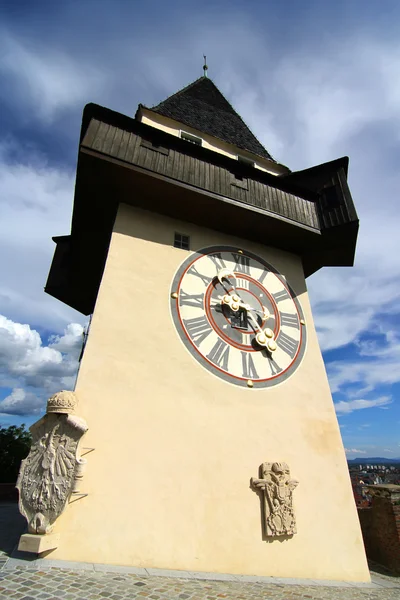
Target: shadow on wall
<point x="154" y="228"/>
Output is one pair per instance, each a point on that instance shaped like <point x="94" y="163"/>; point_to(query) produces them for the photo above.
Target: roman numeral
<point x="193" y="271"/>
<point x="219" y="354"/>
<point x="275" y="368"/>
<point x="195" y="300"/>
<point x="198" y="329"/>
<point x="287" y="344"/>
<point x="282" y="295"/>
<point x="263" y="275"/>
<point x="243" y="283"/>
<point x="242" y="263"/>
<point x="249" y="370"/>
<point x="217" y="260"/>
<point x="290" y="320"/>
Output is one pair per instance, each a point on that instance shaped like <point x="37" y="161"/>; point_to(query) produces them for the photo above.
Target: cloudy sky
<point x="314" y="81"/>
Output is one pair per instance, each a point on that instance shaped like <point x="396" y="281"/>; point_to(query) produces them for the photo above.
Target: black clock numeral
<point x="219" y="354"/>
<point x="287" y="344"/>
<point x="275" y="368"/>
<point x="217" y="260"/>
<point x="198" y="329"/>
<point x="249" y="370"/>
<point x="196" y="300"/>
<point x="242" y="263"/>
<point x="290" y="320"/>
<point x="282" y="295"/>
<point x="193" y="271"/>
<point x="263" y="275"/>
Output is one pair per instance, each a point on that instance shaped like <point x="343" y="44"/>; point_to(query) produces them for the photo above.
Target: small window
<point x="182" y="241"/>
<point x="246" y="161"/>
<point x="193" y="139"/>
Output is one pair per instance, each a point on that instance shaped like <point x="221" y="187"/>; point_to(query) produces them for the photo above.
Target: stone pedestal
<point x="30" y="542"/>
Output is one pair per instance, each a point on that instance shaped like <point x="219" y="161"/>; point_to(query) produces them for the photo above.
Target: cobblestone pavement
<point x="24" y="580"/>
<point x="55" y="583"/>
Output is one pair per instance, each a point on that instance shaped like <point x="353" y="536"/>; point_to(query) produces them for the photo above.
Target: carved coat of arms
<point x="277" y="487"/>
<point x="49" y="473"/>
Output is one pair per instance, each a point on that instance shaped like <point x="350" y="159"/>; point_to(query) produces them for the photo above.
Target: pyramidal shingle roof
<point x="202" y="106"/>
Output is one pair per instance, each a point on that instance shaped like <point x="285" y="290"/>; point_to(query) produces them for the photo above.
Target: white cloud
<point x="377" y="364"/>
<point x="32" y="369"/>
<point x="334" y="100"/>
<point x="306" y="106"/>
<point x="341" y="90"/>
<point x="343" y="407"/>
<point x="384" y="346"/>
<point x="36" y="203"/>
<point x="71" y="342"/>
<point x="20" y="402"/>
<point x="354" y="451"/>
<point x="44" y="79"/>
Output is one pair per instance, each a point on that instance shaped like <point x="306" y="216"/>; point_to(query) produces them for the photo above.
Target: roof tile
<point x="202" y="106"/>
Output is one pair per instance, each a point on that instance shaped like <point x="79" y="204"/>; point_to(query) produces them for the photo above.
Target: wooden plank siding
<point x="127" y="146"/>
<point x="336" y="203"/>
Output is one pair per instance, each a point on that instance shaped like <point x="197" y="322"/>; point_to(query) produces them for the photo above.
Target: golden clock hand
<point x="224" y="273"/>
<point x="234" y="302"/>
<point x="264" y="338"/>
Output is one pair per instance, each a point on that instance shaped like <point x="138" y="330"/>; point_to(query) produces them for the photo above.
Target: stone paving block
<point x="252" y="578"/>
<point x="19" y="563"/>
<point x="330" y="583"/>
<point x="363" y="584"/>
<point x="169" y="573"/>
<point x="65" y="564"/>
<point x="213" y="576"/>
<point x="55" y="583"/>
<point x="385" y="583"/>
<point x="119" y="569"/>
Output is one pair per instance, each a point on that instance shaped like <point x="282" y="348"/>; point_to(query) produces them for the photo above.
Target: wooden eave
<point x="123" y="160"/>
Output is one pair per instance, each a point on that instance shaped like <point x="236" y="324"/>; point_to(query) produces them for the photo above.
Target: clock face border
<point x="196" y="353"/>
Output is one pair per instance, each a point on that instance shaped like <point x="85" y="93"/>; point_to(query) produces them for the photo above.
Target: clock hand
<point x="223" y="274"/>
<point x="263" y="338"/>
<point x="234" y="302"/>
<point x="235" y="299"/>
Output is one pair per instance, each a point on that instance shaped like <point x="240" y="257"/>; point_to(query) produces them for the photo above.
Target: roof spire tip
<point x="205" y="68"/>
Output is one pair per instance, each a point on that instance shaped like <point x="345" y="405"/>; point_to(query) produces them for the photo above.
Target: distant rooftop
<point x="202" y="106"/>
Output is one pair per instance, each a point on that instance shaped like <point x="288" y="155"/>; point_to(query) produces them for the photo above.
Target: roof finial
<point x="205" y="68"/>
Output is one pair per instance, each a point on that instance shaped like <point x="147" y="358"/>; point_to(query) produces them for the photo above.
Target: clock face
<point x="238" y="317"/>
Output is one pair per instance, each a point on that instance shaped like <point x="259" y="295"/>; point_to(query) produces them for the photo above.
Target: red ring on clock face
<point x="248" y="296"/>
<point x="220" y="339"/>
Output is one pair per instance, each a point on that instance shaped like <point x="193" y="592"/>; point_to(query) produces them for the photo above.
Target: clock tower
<point x="215" y="442"/>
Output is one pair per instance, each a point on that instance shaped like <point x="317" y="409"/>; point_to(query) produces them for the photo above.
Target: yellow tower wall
<point x="175" y="447"/>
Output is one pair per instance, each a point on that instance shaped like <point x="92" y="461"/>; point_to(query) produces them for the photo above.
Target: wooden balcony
<point x="310" y="213"/>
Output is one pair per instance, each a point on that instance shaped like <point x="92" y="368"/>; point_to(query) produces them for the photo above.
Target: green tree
<point x="15" y="443"/>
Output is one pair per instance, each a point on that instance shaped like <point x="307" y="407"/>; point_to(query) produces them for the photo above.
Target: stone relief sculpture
<point x="50" y="473"/>
<point x="277" y="487"/>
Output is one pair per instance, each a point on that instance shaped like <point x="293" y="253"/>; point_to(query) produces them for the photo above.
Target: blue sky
<point x="313" y="80"/>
